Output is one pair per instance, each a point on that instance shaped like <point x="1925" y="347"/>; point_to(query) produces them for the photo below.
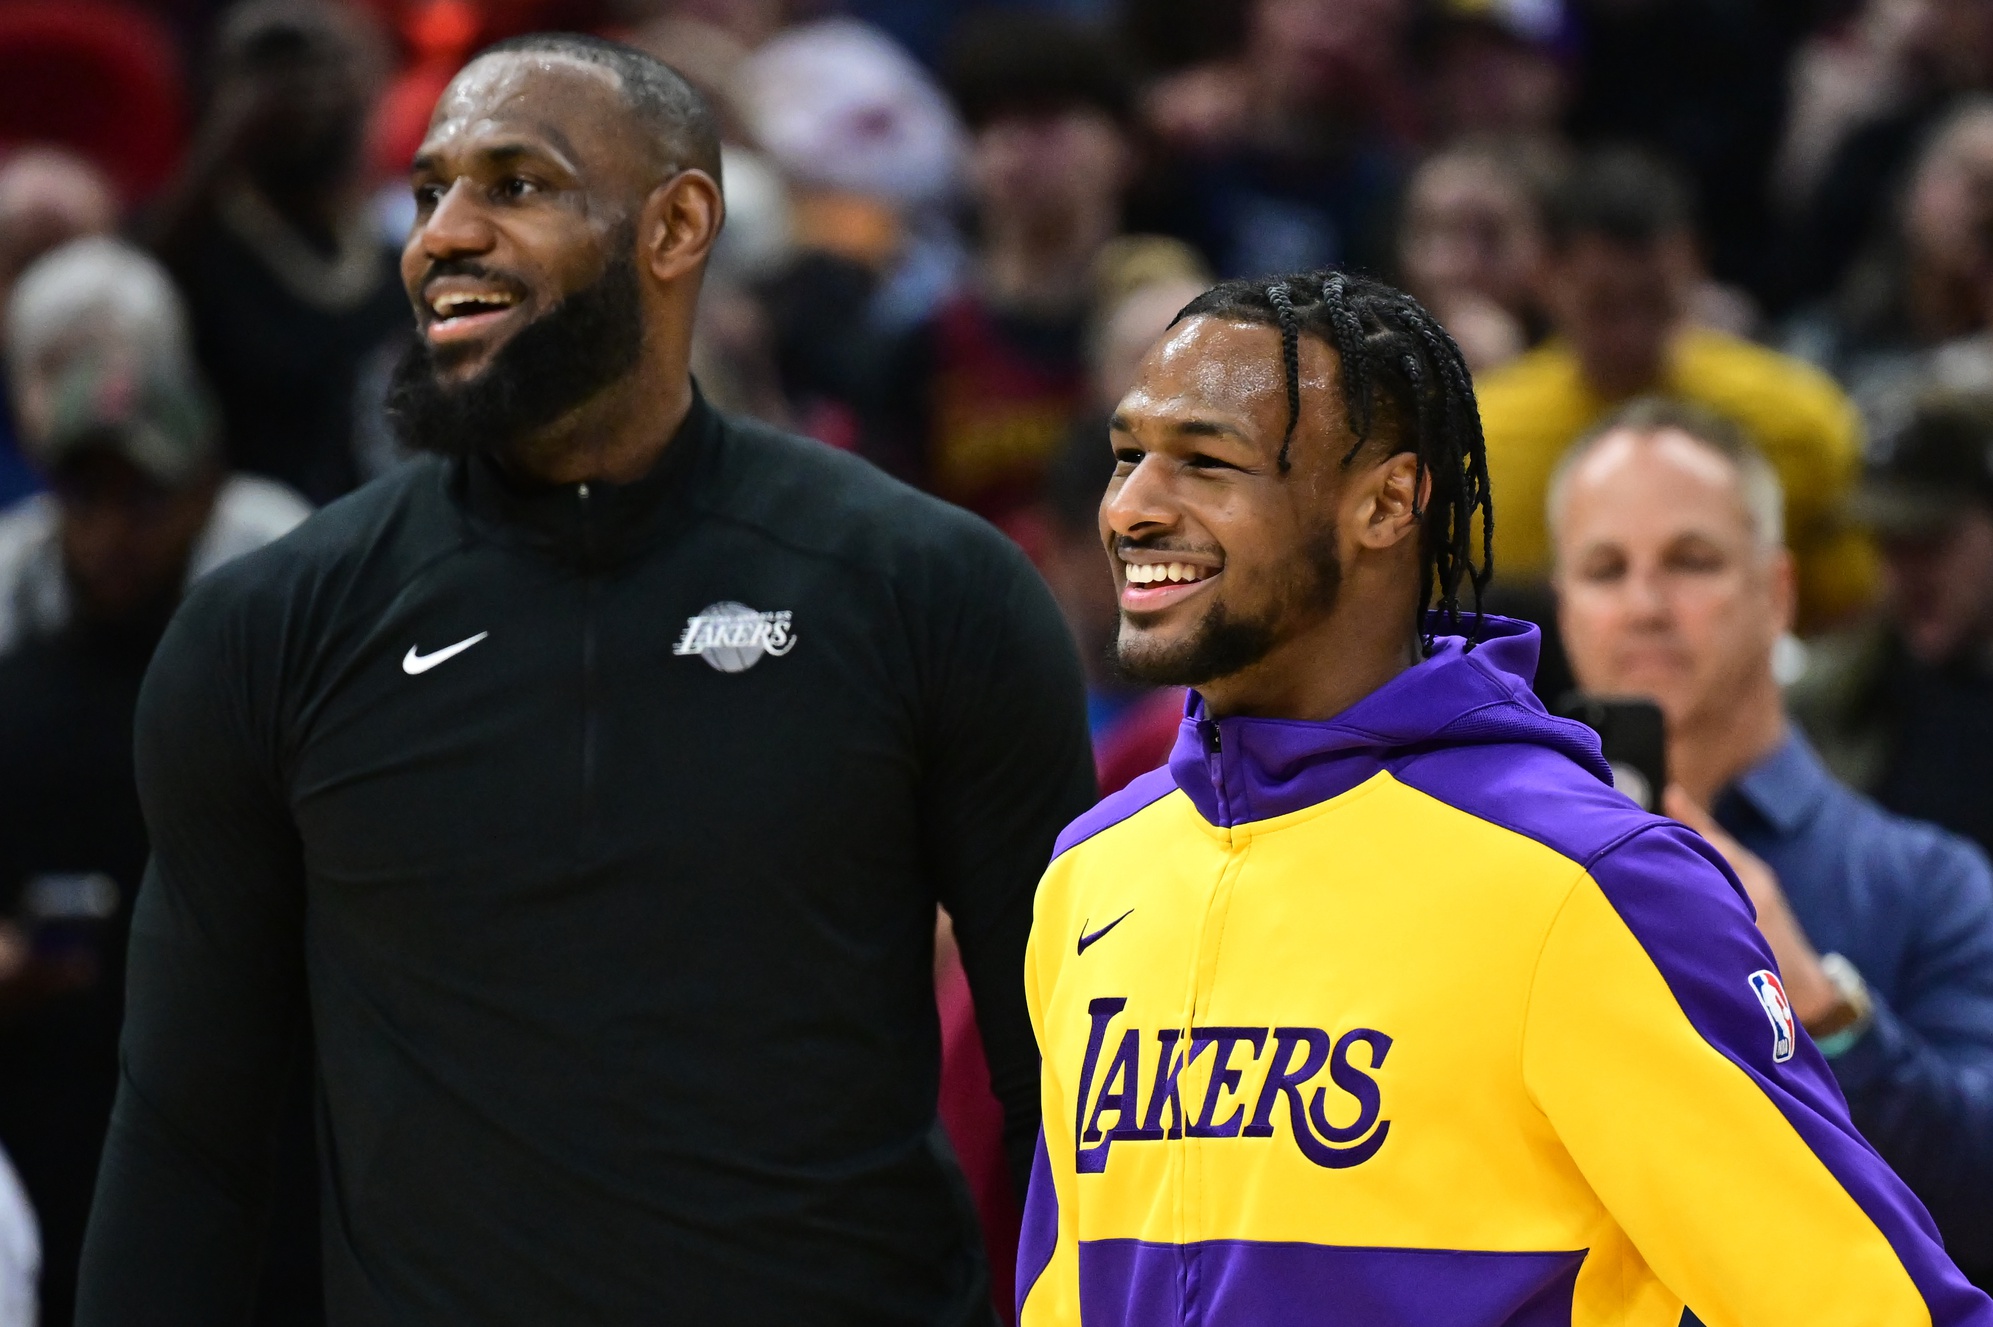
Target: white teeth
<point x="447" y="306"/>
<point x="1149" y="573"/>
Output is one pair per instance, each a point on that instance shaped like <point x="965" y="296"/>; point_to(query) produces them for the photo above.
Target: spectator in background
<point x="975" y="400"/>
<point x="1701" y="83"/>
<point x="101" y="307"/>
<point x="89" y="575"/>
<point x="1498" y="68"/>
<point x="872" y="153"/>
<point x="1921" y="287"/>
<point x="1471" y="245"/>
<point x="1904" y="710"/>
<point x="1621" y="285"/>
<point x="1850" y="69"/>
<point x="47" y="196"/>
<point x="1292" y="155"/>
<point x="267" y="229"/>
<point x="1673" y="582"/>
<point x="1914" y="62"/>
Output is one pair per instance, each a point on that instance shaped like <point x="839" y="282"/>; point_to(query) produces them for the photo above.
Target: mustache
<point x="1166" y="544"/>
<point x="468" y="267"/>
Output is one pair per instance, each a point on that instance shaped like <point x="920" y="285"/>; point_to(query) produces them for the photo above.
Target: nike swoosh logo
<point x="1086" y="940"/>
<point x="414" y="662"/>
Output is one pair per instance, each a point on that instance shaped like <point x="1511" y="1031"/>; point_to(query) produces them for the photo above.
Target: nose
<point x="1138" y="506"/>
<point x="1646" y="598"/>
<point x="457" y="227"/>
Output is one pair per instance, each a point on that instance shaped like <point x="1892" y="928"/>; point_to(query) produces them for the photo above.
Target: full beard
<point x="552" y="366"/>
<point x="1223" y="643"/>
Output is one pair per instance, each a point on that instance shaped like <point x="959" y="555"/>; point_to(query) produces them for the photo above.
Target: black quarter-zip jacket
<point x="605" y="889"/>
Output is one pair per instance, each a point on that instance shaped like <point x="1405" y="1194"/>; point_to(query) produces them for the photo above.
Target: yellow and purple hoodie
<point x="1407" y="1017"/>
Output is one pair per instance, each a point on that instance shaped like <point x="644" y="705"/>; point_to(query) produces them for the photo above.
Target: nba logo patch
<point x="1778" y="1009"/>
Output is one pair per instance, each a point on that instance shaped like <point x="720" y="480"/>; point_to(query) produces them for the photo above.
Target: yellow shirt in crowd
<point x="1535" y="407"/>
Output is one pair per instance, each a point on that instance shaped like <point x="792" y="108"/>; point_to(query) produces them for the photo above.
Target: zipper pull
<point x="1213" y="739"/>
<point x="581" y="491"/>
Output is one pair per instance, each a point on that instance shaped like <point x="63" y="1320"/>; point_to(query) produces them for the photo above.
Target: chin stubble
<point x="1223" y="644"/>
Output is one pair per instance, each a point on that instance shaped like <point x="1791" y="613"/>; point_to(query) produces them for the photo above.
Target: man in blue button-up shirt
<point x="1673" y="582"/>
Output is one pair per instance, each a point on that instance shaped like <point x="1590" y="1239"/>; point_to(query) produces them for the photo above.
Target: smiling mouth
<point x="457" y="312"/>
<point x="1151" y="586"/>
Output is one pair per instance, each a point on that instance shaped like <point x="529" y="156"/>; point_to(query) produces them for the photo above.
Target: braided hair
<point x="1404" y="384"/>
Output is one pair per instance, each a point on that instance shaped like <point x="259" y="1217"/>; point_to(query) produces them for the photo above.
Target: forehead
<point x="1659" y="482"/>
<point x="573" y="105"/>
<point x="1209" y="363"/>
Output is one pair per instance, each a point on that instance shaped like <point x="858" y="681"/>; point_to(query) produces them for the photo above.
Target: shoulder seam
<point x="1167" y="788"/>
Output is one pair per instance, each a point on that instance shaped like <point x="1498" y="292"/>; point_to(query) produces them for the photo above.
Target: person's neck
<point x="1708" y="753"/>
<point x="1319" y="673"/>
<point x="1043" y="267"/>
<point x="614" y="437"/>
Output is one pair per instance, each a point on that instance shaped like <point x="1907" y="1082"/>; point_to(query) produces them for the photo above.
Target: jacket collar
<point x="1238" y="769"/>
<point x="1785" y="788"/>
<point x="597" y="524"/>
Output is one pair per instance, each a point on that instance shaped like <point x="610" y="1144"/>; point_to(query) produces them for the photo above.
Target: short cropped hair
<point x="1757" y="482"/>
<point x="1621" y="194"/>
<point x="681" y="123"/>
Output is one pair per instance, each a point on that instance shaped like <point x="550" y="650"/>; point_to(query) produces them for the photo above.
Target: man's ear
<point x="1390" y="500"/>
<point x="679" y="224"/>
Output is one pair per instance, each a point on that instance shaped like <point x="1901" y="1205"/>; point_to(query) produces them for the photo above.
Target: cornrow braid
<point x="1282" y="300"/>
<point x="1403" y="385"/>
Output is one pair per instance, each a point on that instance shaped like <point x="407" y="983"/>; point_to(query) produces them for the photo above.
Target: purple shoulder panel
<point x="1689" y="913"/>
<point x="1038" y="1240"/>
<point x="1254" y="1283"/>
<point x="1683" y="905"/>
<point x="1540" y="793"/>
<point x="1117" y="807"/>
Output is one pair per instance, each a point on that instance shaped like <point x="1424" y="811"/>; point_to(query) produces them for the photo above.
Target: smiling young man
<point x="1377" y="1005"/>
<point x="585" y="791"/>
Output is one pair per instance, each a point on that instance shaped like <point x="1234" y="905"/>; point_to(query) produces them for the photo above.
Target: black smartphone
<point x="1633" y="736"/>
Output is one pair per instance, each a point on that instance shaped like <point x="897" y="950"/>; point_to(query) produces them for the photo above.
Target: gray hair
<point x="95" y="296"/>
<point x="1757" y="482"/>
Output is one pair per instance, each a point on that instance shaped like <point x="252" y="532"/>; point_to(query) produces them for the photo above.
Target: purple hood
<point x="1238" y="769"/>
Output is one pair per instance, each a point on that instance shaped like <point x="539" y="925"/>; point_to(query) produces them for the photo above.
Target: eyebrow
<point x="1196" y="427"/>
<point x="504" y="153"/>
<point x="1208" y="428"/>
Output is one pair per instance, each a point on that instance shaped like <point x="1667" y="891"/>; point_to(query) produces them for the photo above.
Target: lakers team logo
<point x="1294" y="1058"/>
<point x="1771" y="995"/>
<point x="732" y="637"/>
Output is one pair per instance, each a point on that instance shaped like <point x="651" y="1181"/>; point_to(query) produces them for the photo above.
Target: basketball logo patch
<point x="733" y="637"/>
<point x="1771" y="995"/>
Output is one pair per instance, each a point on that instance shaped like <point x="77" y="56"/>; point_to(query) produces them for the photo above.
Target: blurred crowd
<point x="953" y="231"/>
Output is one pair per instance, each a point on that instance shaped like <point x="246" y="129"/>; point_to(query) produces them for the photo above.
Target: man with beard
<point x="1378" y="1004"/>
<point x="586" y="790"/>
